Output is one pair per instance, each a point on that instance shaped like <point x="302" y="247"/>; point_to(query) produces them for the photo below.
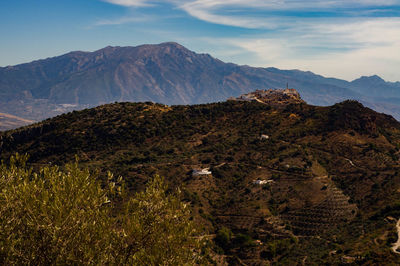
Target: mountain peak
<point x="150" y="47"/>
<point x="167" y="47"/>
<point x="109" y="47"/>
<point x="171" y="44"/>
<point x="374" y="78"/>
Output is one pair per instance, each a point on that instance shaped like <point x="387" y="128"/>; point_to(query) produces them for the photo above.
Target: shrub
<point x="224" y="237"/>
<point x="66" y="216"/>
<point x="243" y="240"/>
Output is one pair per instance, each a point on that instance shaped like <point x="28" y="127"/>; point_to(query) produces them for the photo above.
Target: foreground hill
<point x="328" y="186"/>
<point x="167" y="73"/>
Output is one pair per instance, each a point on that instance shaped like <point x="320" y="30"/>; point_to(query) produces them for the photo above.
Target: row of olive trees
<point x="56" y="216"/>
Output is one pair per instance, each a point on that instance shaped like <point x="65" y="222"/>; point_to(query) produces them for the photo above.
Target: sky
<point x="335" y="38"/>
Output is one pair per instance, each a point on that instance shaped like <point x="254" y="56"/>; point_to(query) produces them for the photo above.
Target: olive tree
<point x="66" y="216"/>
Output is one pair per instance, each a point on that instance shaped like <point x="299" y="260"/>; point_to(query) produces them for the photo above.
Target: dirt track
<point x="397" y="244"/>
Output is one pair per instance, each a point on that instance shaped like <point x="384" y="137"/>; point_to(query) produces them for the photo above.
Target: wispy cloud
<point x="358" y="36"/>
<point x="343" y="50"/>
<point x="129" y="3"/>
<point x="217" y="11"/>
<point x="124" y="20"/>
<point x="237" y="21"/>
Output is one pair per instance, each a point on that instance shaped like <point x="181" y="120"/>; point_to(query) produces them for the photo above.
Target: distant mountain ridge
<point x="167" y="73"/>
<point x="10" y="121"/>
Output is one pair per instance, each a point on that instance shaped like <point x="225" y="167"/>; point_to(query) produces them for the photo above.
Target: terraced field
<point x="333" y="211"/>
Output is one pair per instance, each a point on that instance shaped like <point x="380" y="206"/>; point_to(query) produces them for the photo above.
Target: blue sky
<point x="337" y="38"/>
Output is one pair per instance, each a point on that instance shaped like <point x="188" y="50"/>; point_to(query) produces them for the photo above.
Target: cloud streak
<point x="214" y="11"/>
<point x="345" y="50"/>
<point x="217" y="11"/>
<point x="357" y="36"/>
<point x="129" y="3"/>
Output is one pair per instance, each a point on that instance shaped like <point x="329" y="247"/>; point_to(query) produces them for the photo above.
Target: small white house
<point x="262" y="182"/>
<point x="247" y="98"/>
<point x="205" y="171"/>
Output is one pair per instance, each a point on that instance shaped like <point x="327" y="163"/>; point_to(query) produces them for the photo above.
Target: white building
<point x="262" y="182"/>
<point x="247" y="98"/>
<point x="205" y="171"/>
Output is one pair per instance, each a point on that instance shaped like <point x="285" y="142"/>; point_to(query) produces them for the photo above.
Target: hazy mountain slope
<point x="332" y="171"/>
<point x="376" y="87"/>
<point x="10" y="121"/>
<point x="167" y="73"/>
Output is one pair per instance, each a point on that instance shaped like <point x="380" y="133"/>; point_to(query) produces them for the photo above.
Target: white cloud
<point x="343" y="50"/>
<point x="342" y="46"/>
<point x="244" y="22"/>
<point x="129" y="3"/>
<point x="265" y="4"/>
<point x="213" y="11"/>
<point x="288" y="4"/>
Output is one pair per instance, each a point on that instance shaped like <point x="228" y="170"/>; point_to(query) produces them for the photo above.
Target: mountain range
<point x="166" y="73"/>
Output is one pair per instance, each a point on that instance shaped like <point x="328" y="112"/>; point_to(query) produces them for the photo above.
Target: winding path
<point x="397" y="244"/>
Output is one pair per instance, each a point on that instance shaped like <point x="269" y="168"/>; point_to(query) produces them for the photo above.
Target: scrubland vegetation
<point x="332" y="194"/>
<point x="66" y="216"/>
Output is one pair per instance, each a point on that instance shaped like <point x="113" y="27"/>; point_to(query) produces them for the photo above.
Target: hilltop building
<point x="271" y="96"/>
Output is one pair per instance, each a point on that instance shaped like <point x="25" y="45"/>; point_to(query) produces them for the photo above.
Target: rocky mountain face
<point x="166" y="73"/>
<point x="284" y="181"/>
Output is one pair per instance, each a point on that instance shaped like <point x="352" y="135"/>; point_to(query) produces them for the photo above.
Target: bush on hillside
<point x="57" y="216"/>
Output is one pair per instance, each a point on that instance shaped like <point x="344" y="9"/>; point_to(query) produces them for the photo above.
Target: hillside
<point x="166" y="73"/>
<point x="312" y="184"/>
